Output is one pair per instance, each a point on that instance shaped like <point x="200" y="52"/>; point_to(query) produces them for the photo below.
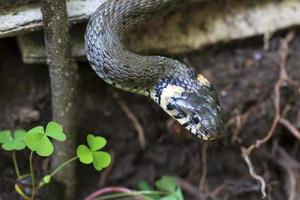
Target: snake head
<point x="197" y="110"/>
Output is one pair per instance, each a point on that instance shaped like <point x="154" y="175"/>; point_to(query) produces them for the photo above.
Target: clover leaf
<point x="95" y="142"/>
<point x="13" y="141"/>
<point x="169" y="197"/>
<point x="166" y="183"/>
<point x="91" y="154"/>
<point x="144" y="186"/>
<point x="179" y="194"/>
<point x="36" y="139"/>
<point x="169" y="184"/>
<point x="85" y="154"/>
<point x="55" y="131"/>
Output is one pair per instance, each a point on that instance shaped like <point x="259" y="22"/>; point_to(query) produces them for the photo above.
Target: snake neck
<point x="112" y="61"/>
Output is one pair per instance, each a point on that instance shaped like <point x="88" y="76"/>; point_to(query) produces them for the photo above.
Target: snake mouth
<point x="202" y="136"/>
<point x="206" y="133"/>
<point x="207" y="137"/>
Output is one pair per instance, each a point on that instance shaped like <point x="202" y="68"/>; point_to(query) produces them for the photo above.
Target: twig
<point x="290" y="127"/>
<point x="289" y="164"/>
<point x="137" y="125"/>
<point x="295" y="149"/>
<point x="217" y="190"/>
<point x="267" y="35"/>
<point x="64" y="81"/>
<point x="283" y="52"/>
<point x="293" y="181"/>
<point x="233" y="187"/>
<point x="107" y="171"/>
<point x="111" y="190"/>
<point x="204" y="167"/>
<point x="238" y="121"/>
<point x="292" y="162"/>
<point x="253" y="174"/>
<point x="192" y="190"/>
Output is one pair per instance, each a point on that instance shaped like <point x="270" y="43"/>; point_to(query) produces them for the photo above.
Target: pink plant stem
<point x="110" y="190"/>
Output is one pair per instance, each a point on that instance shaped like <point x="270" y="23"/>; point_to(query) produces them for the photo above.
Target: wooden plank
<point x="192" y="27"/>
<point x="20" y="18"/>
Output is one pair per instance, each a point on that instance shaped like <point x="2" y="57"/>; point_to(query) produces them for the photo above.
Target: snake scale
<point x="189" y="98"/>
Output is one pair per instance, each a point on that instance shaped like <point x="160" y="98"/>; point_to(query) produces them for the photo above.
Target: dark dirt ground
<point x="244" y="75"/>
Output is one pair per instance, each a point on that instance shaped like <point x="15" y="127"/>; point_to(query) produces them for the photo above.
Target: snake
<point x="186" y="96"/>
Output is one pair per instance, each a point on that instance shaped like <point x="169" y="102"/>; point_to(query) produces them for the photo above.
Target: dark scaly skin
<point x="104" y="47"/>
<point x="149" y="75"/>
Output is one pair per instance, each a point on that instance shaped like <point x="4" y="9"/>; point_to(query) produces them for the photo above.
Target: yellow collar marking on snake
<point x="169" y="92"/>
<point x="202" y="80"/>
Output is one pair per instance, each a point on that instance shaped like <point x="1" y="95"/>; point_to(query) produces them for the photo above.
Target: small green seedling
<point x="167" y="189"/>
<point x="144" y="186"/>
<point x="91" y="154"/>
<point x="38" y="140"/>
<point x="169" y="184"/>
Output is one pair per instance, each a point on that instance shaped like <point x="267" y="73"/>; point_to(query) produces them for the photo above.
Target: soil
<point x="244" y="75"/>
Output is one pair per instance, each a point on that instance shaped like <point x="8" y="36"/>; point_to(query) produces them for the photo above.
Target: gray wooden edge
<point x="211" y="22"/>
<point x="190" y="28"/>
<point x="18" y="19"/>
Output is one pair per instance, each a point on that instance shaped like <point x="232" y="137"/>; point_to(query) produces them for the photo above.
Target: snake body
<point x="188" y="98"/>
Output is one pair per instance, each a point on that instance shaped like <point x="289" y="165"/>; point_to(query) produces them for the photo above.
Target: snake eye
<point x="185" y="95"/>
<point x="195" y="119"/>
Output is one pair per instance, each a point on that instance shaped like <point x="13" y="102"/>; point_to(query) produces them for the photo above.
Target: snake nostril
<point x="206" y="132"/>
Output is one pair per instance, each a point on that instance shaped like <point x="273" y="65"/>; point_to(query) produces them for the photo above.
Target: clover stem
<point x="32" y="174"/>
<point x="42" y="183"/>
<point x="16" y="164"/>
<point x="62" y="165"/>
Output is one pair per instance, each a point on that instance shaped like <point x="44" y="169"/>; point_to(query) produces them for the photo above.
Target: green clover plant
<point x="167" y="189"/>
<point x="91" y="154"/>
<point x="38" y="140"/>
<point x="169" y="184"/>
<point x="12" y="142"/>
<point x="87" y="155"/>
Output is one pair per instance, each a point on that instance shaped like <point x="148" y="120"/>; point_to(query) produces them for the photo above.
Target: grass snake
<point x="189" y="98"/>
